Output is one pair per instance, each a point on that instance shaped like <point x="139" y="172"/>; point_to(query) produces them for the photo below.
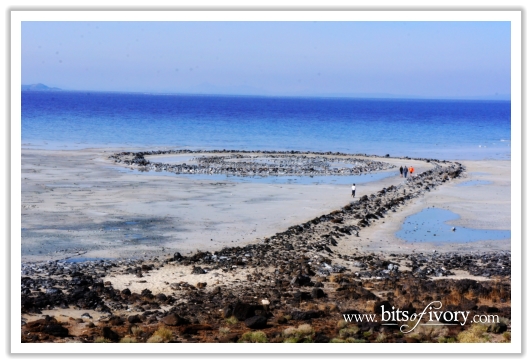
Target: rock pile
<point x="247" y="164"/>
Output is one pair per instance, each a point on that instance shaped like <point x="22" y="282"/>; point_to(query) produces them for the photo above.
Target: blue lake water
<point x="430" y="226"/>
<point x="441" y="129"/>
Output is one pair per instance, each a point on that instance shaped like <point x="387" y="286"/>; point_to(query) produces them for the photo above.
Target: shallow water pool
<point x="279" y="179"/>
<point x="474" y="183"/>
<point x="430" y="226"/>
<point x="85" y="259"/>
<point x="298" y="180"/>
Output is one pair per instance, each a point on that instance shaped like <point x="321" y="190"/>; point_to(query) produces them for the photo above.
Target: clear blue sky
<point x="426" y="59"/>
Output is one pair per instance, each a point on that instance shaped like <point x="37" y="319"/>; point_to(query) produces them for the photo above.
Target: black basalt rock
<point x="109" y="334"/>
<point x="243" y="311"/>
<point x="55" y="329"/>
<point x="306" y="315"/>
<point x="256" y="322"/>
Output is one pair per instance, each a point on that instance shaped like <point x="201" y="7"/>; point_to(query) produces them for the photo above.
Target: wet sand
<point x="485" y="206"/>
<point x="79" y="203"/>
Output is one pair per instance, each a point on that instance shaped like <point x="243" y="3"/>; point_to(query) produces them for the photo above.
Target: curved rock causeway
<point x="293" y="286"/>
<point x="257" y="163"/>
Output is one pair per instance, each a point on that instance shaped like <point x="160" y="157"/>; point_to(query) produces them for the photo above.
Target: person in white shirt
<point x="353" y="190"/>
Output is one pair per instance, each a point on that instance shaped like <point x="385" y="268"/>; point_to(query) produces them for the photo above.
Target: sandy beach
<point x="191" y="254"/>
<point x="485" y="206"/>
<point x="80" y="203"/>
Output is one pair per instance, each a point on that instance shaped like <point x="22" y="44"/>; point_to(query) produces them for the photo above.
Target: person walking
<point x="353" y="190"/>
<point x="405" y="171"/>
<point x="411" y="170"/>
<point x="401" y="171"/>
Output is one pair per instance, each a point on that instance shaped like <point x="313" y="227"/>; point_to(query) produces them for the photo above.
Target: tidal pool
<point x="476" y="182"/>
<point x="297" y="180"/>
<point x="278" y="179"/>
<point x="430" y="226"/>
<point x="85" y="259"/>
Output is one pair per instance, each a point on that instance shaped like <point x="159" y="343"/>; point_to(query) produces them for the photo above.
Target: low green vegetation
<point x="224" y="330"/>
<point x="507" y="336"/>
<point x="254" y="337"/>
<point x="155" y="339"/>
<point x="101" y="339"/>
<point x="349" y="332"/>
<point x="136" y="331"/>
<point x="303" y="333"/>
<point x="128" y="339"/>
<point x="231" y="320"/>
<point x="166" y="334"/>
<point x="475" y="334"/>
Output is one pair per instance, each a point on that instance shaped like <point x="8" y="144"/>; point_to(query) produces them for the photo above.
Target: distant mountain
<point x="39" y="87"/>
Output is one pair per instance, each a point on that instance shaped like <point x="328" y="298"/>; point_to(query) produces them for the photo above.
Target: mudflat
<point x="81" y="203"/>
<point x="212" y="261"/>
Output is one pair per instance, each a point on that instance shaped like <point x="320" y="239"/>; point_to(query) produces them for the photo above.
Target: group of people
<point x="403" y="171"/>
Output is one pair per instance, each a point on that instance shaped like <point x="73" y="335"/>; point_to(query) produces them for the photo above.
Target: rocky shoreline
<point x="294" y="286"/>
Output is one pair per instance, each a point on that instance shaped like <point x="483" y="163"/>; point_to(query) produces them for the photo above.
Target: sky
<point x="395" y="59"/>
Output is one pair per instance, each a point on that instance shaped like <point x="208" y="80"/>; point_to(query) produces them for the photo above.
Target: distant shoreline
<point x="60" y="146"/>
<point x="502" y="98"/>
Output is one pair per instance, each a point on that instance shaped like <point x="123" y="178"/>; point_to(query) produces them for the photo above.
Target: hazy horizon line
<point x="338" y="95"/>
